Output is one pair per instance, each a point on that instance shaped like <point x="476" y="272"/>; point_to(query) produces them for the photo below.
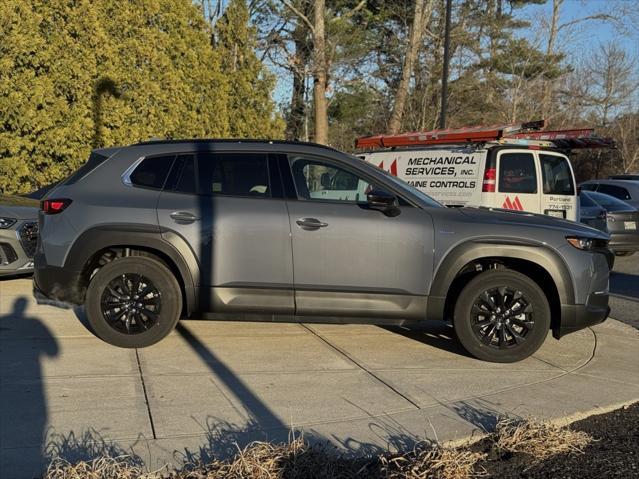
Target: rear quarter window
<point x="152" y="172"/>
<point x="95" y="160"/>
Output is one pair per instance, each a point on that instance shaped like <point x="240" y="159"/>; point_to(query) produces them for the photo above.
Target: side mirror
<point x="383" y="201"/>
<point x="325" y="180"/>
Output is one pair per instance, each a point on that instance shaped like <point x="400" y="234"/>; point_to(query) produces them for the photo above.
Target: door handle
<point x="310" y="223"/>
<point x="184" y="216"/>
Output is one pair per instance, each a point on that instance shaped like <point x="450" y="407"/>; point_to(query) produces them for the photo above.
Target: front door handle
<point x="310" y="223"/>
<point x="183" y="216"/>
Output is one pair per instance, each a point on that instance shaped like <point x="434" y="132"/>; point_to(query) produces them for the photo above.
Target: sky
<point x="586" y="37"/>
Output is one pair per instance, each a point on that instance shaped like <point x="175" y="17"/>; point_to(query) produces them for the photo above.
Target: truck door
<point x="558" y="194"/>
<point x="517" y="181"/>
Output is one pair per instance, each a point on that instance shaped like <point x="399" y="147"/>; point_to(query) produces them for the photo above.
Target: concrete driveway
<point x="213" y="384"/>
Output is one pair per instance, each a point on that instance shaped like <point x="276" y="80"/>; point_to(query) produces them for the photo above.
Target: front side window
<point x="226" y="174"/>
<point x="517" y="173"/>
<point x="613" y="190"/>
<point x="316" y="180"/>
<point x="152" y="172"/>
<point x="556" y="175"/>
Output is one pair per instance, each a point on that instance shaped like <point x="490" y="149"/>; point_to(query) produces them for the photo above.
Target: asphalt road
<point x="624" y="290"/>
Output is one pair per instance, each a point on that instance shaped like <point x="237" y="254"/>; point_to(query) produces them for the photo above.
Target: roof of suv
<point x="626" y="183"/>
<point x="231" y="140"/>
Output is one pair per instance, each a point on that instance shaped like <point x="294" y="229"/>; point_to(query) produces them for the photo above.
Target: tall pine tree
<point x="250" y="107"/>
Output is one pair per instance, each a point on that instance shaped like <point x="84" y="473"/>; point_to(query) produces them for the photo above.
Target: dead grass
<point x="539" y="440"/>
<point x="296" y="459"/>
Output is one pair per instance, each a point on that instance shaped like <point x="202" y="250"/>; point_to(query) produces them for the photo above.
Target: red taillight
<point x="55" y="206"/>
<point x="489" y="180"/>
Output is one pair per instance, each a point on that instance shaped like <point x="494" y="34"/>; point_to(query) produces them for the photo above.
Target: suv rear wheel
<point x="502" y="316"/>
<point x="133" y="302"/>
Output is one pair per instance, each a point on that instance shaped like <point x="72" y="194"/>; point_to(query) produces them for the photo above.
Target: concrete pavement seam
<point x="360" y="366"/>
<point x="146" y="397"/>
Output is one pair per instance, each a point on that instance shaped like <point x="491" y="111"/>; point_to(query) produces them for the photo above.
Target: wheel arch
<point x="535" y="260"/>
<point x="168" y="246"/>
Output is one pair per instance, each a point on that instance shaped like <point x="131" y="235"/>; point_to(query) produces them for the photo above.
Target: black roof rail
<point x="162" y="141"/>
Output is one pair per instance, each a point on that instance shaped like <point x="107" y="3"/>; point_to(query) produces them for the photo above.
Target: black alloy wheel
<point x="502" y="317"/>
<point x="131" y="303"/>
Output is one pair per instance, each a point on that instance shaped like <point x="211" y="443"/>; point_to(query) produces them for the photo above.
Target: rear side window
<point x="517" y="173"/>
<point x="152" y="172"/>
<point x="589" y="187"/>
<point x="556" y="175"/>
<point x="614" y="190"/>
<point x="228" y="174"/>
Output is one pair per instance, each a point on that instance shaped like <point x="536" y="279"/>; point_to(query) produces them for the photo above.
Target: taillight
<point x="489" y="180"/>
<point x="54" y="206"/>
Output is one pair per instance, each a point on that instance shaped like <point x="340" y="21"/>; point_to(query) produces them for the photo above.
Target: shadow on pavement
<point x="437" y="334"/>
<point x="23" y="405"/>
<point x="625" y="284"/>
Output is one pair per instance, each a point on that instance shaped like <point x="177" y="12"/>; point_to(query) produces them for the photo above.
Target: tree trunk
<point x="412" y="48"/>
<point x="297" y="117"/>
<point x="320" y="75"/>
<point x="546" y="101"/>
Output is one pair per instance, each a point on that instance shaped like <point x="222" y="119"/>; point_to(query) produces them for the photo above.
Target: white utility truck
<point x="514" y="166"/>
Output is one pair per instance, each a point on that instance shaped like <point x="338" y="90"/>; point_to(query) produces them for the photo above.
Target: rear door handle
<point x="310" y="223"/>
<point x="183" y="216"/>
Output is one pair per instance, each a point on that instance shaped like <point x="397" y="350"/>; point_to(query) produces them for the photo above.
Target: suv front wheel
<point x="502" y="316"/>
<point x="133" y="302"/>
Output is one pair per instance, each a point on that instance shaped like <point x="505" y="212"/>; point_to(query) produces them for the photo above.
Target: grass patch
<point x="297" y="459"/>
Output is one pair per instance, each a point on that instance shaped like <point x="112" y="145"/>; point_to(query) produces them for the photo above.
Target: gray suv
<point x="285" y="231"/>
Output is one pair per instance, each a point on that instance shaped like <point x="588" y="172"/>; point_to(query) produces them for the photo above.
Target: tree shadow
<point x="23" y="403"/>
<point x="103" y="86"/>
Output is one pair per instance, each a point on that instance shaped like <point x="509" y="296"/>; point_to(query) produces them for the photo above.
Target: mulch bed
<point x="613" y="453"/>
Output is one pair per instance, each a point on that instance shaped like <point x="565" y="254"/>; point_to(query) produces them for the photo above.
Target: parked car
<point x="592" y="213"/>
<point x="624" y="190"/>
<point x="629" y="176"/>
<point x="145" y="234"/>
<point x="18" y="234"/>
<point x="621" y="220"/>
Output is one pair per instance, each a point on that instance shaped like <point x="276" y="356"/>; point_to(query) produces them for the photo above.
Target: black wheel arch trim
<point x="167" y="242"/>
<point x="463" y="254"/>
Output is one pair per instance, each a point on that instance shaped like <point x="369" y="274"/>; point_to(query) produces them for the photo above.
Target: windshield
<point x="402" y="185"/>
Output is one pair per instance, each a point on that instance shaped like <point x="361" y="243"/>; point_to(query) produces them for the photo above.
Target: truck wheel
<point x="133" y="302"/>
<point x="502" y="316"/>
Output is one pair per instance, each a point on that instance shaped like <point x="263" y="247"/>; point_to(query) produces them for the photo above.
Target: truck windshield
<point x="556" y="175"/>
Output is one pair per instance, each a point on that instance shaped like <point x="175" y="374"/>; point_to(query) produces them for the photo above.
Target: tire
<point x="108" y="306"/>
<point x="478" y="323"/>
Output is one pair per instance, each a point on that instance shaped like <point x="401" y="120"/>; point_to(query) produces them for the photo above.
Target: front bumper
<point x="575" y="317"/>
<point x="14" y="259"/>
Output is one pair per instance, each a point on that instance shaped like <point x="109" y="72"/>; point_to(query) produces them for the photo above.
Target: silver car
<point x="285" y="231"/>
<point x="18" y="234"/>
<point x="625" y="190"/>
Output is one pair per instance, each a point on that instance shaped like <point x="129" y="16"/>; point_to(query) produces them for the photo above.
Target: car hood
<point x="510" y="217"/>
<point x="18" y="207"/>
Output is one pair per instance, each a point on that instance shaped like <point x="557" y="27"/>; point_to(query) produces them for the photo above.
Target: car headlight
<point x="587" y="244"/>
<point x="7" y="223"/>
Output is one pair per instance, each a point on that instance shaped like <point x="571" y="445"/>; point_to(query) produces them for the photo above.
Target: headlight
<point x="585" y="244"/>
<point x="7" y="223"/>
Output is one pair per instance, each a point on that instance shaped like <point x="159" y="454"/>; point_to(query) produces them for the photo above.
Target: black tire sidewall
<point x="492" y="279"/>
<point x="161" y="277"/>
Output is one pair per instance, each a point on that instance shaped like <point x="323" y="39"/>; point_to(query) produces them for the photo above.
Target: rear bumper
<point x="624" y="241"/>
<point x="575" y="317"/>
<point x="57" y="284"/>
